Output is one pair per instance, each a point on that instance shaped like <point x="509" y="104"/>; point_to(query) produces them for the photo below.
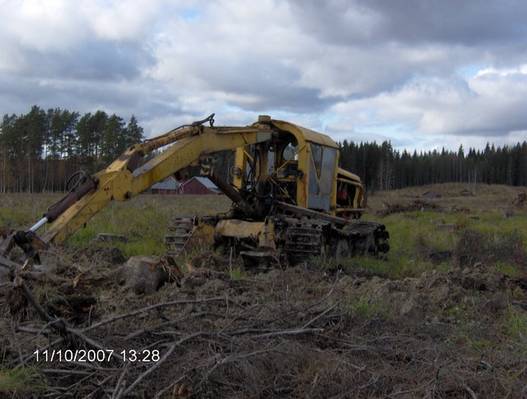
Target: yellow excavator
<point x="290" y="199"/>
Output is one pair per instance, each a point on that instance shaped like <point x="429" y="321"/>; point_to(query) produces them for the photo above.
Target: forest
<point x="39" y="150"/>
<point x="383" y="168"/>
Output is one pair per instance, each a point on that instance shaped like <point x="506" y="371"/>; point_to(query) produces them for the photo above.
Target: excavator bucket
<point x="28" y="242"/>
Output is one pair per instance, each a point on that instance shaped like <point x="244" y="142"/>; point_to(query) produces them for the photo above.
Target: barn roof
<point x="206" y="182"/>
<point x="170" y="183"/>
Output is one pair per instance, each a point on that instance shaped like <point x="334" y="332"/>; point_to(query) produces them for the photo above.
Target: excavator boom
<point x="120" y="181"/>
<point x="126" y="177"/>
<point x="287" y="187"/>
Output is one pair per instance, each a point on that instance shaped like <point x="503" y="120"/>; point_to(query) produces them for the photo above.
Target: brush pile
<point x="298" y="332"/>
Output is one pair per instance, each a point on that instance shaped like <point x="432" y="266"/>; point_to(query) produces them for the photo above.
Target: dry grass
<point x="478" y="197"/>
<point x="18" y="382"/>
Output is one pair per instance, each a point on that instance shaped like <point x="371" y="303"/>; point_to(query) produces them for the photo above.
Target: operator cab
<point x="297" y="166"/>
<point x="350" y="195"/>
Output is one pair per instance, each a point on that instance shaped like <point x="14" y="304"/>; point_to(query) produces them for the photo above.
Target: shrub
<point x="488" y="248"/>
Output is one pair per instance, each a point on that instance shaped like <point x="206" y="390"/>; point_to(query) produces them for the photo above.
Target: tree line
<point x="39" y="150"/>
<point x="383" y="168"/>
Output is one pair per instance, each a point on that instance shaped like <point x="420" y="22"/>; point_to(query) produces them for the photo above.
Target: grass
<point x="21" y="381"/>
<point x="18" y="210"/>
<point x="365" y="308"/>
<point x="469" y="329"/>
<point x="485" y="197"/>
<point x="413" y="235"/>
<point x="515" y="325"/>
<point x="143" y="220"/>
<point x="508" y="269"/>
<point x="237" y="273"/>
<point x="410" y="235"/>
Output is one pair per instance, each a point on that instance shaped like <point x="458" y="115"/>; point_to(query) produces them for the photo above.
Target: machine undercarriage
<point x="289" y="236"/>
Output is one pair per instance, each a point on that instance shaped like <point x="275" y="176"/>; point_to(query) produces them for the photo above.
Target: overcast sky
<point x="423" y="74"/>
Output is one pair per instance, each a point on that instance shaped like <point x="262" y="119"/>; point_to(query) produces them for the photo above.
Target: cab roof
<point x="343" y="173"/>
<point x="304" y="133"/>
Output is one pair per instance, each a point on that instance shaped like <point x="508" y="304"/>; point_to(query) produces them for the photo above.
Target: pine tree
<point x="133" y="132"/>
<point x="113" y="141"/>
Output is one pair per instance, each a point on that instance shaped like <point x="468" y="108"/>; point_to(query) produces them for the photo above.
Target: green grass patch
<point x="515" y="325"/>
<point x="365" y="308"/>
<point x="481" y="345"/>
<point x="468" y="330"/>
<point x="144" y="227"/>
<point x="21" y="380"/>
<point x="509" y="269"/>
<point x="13" y="217"/>
<point x="493" y="222"/>
<point x="414" y="236"/>
<point x="237" y="273"/>
<point x="143" y="220"/>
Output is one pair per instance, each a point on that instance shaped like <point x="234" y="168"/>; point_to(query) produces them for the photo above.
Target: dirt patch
<point x="521" y="200"/>
<point x="466" y="193"/>
<point x="427" y="296"/>
<point x="431" y="195"/>
<point x="100" y="254"/>
<point x="4" y="233"/>
<point x="416" y="205"/>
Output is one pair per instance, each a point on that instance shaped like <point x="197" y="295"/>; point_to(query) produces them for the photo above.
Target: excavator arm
<point x="126" y="177"/>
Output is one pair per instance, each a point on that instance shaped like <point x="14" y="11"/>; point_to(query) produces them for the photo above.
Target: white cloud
<point x="487" y="107"/>
<point x="121" y="20"/>
<point x="41" y="25"/>
<point x="59" y="25"/>
<point x="367" y="69"/>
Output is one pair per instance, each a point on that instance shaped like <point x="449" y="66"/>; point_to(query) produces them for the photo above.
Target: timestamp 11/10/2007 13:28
<point x="96" y="355"/>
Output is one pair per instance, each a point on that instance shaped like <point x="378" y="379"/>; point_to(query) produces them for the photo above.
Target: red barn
<point x="198" y="185"/>
<point x="168" y="186"/>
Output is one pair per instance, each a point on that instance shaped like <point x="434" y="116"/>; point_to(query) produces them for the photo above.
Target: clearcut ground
<point x="444" y="316"/>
